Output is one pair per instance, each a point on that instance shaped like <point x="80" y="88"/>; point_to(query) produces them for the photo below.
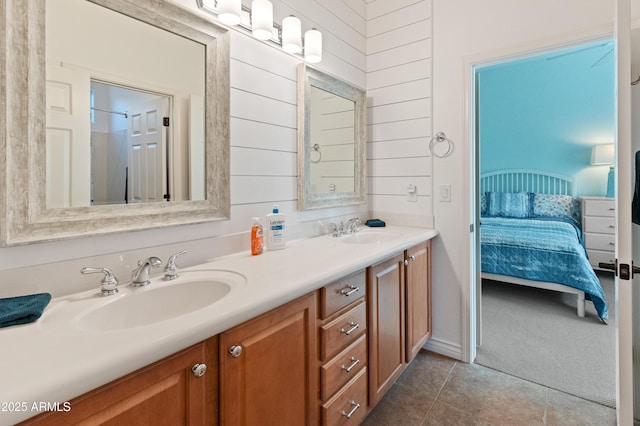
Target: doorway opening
<point x="537" y="121"/>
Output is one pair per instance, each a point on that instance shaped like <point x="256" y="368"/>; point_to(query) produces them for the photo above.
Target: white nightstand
<point x="598" y="225"/>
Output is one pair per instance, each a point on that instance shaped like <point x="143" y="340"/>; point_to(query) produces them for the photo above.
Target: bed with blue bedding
<point x="535" y="239"/>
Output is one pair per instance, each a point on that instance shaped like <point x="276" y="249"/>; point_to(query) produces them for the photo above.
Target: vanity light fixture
<point x="262" y="19"/>
<point x="291" y="34"/>
<point x="313" y="46"/>
<point x="229" y="11"/>
<point x="258" y="19"/>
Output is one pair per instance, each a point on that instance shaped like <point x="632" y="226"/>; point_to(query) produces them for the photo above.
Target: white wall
<point x="399" y="64"/>
<point x="465" y="32"/>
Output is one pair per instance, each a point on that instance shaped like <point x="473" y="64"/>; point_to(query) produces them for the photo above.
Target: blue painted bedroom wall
<point x="547" y="112"/>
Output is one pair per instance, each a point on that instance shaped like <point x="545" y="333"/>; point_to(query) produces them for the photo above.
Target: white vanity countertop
<point x="52" y="361"/>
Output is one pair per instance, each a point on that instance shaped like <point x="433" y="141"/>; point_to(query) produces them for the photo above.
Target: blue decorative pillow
<point x="554" y="205"/>
<point x="509" y="204"/>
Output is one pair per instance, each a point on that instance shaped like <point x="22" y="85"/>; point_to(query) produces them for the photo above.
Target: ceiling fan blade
<point x="573" y="52"/>
<point x="602" y="57"/>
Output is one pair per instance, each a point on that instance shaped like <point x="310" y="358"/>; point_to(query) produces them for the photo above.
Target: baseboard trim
<point x="443" y="347"/>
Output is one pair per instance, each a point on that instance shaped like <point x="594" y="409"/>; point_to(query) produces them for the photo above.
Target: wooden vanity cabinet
<point x="269" y="369"/>
<point x="342" y="325"/>
<point x="399" y="315"/>
<point x="418" y="298"/>
<point x="166" y="392"/>
<point x="386" y="323"/>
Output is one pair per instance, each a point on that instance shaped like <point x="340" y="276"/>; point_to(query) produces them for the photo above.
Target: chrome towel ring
<point x="315" y="149"/>
<point x="439" y="139"/>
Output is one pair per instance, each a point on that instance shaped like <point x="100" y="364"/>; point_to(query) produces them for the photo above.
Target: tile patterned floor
<point x="436" y="390"/>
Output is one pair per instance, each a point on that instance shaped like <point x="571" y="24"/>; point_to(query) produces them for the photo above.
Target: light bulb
<point x="291" y="34"/>
<point x="229" y="11"/>
<point x="313" y="46"/>
<point x="262" y="19"/>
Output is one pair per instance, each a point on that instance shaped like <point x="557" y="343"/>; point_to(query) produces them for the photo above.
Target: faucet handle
<point x="108" y="284"/>
<point x="171" y="269"/>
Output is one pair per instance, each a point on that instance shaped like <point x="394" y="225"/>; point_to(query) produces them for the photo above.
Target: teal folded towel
<point x="22" y="309"/>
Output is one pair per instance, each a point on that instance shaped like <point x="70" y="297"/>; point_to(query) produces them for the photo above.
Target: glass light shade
<point x="262" y="19"/>
<point x="313" y="46"/>
<point x="229" y="11"/>
<point x="603" y="155"/>
<point x="291" y="35"/>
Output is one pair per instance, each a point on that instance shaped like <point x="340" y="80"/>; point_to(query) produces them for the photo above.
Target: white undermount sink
<point x="137" y="307"/>
<point x="370" y="237"/>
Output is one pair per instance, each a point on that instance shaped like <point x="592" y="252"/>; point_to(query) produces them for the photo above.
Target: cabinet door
<point x="164" y="393"/>
<point x="268" y="369"/>
<point x="386" y="317"/>
<point x="418" y="291"/>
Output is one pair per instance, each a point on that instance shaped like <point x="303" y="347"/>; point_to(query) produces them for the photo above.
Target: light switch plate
<point x="445" y="192"/>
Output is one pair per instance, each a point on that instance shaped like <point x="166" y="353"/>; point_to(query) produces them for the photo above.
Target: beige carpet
<point x="536" y="335"/>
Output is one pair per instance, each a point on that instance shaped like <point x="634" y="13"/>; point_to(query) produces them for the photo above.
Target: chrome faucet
<point x="140" y="275"/>
<point x="171" y="269"/>
<point x="108" y="284"/>
<point x="352" y="225"/>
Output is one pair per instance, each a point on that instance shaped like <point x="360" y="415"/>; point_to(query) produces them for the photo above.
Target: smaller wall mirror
<point x="331" y="141"/>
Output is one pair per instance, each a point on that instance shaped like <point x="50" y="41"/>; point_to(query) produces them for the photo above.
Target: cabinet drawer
<point x="605" y="208"/>
<point x="341" y="293"/>
<point x="342" y="331"/>
<point x="599" y="225"/>
<point x="602" y="242"/>
<point x="596" y="256"/>
<point x="349" y="406"/>
<point x="344" y="366"/>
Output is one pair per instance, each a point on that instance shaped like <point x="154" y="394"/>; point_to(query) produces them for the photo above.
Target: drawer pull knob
<point x="612" y="209"/>
<point x="612" y="244"/>
<point x="354" y="362"/>
<point x="199" y="369"/>
<point x="355" y="406"/>
<point x="349" y="290"/>
<point x="235" y="351"/>
<point x="354" y="326"/>
<point x="612" y="226"/>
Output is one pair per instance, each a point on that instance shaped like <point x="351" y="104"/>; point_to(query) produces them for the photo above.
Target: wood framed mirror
<point x="40" y="160"/>
<point x="331" y="141"/>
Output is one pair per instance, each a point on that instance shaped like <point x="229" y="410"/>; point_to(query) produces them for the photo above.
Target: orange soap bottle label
<point x="257" y="240"/>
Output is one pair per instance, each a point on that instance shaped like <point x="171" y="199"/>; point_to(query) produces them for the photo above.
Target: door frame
<point x="623" y="191"/>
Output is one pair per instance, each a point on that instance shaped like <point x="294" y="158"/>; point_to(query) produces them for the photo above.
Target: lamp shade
<point x="313" y="46"/>
<point x="262" y="19"/>
<point x="229" y="11"/>
<point x="291" y="34"/>
<point x="603" y="155"/>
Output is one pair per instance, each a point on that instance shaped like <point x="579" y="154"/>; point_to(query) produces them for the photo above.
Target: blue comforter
<point x="540" y="250"/>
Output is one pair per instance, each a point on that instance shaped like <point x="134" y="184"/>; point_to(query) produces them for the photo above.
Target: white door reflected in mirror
<point x="87" y="139"/>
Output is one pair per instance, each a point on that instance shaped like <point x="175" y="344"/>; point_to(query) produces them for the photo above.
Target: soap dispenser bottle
<point x="275" y="230"/>
<point x="257" y="237"/>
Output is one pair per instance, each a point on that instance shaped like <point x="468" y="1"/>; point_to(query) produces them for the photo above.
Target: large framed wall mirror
<point x="331" y="141"/>
<point x="118" y="122"/>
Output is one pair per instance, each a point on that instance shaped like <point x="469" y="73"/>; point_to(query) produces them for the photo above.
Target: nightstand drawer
<point x="596" y="257"/>
<point x="602" y="242"/>
<point x="606" y="208"/>
<point x="599" y="225"/>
